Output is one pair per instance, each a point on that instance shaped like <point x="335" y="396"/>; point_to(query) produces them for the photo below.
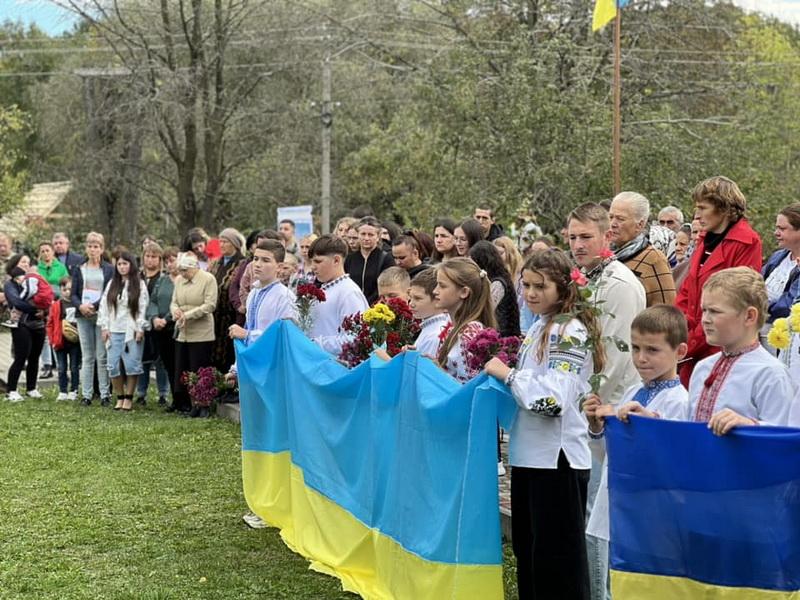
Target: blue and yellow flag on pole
<point x="384" y="476"/>
<point x="696" y="516"/>
<point x="605" y="11"/>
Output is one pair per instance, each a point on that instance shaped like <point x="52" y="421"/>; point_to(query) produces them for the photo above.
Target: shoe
<point x="47" y="373"/>
<point x="141" y="401"/>
<point x="105" y="401"/>
<point x="14" y="397"/>
<point x="194" y="412"/>
<point x="86" y="401"/>
<point x="202" y="413"/>
<point x="162" y="401"/>
<point x="501" y="470"/>
<point x="62" y="396"/>
<point x="34" y="394"/>
<point x="72" y="395"/>
<point x="118" y="405"/>
<point x="127" y="405"/>
<point x="10" y="324"/>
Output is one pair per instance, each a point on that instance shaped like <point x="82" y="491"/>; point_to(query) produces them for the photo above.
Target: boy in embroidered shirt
<point x="394" y="283"/>
<point x="423" y="305"/>
<point x="744" y="384"/>
<point x="659" y="337"/>
<point x="343" y="296"/>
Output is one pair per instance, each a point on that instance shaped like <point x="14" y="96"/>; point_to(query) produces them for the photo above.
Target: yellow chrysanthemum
<point x="379" y="312"/>
<point x="794" y="318"/>
<point x="779" y="336"/>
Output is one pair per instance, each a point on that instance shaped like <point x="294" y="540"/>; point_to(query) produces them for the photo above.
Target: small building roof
<point x="38" y="205"/>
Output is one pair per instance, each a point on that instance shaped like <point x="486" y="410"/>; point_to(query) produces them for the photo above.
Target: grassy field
<point x="98" y="504"/>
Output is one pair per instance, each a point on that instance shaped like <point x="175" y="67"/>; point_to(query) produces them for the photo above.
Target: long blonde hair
<point x="556" y="266"/>
<point x="512" y="259"/>
<point x="463" y="272"/>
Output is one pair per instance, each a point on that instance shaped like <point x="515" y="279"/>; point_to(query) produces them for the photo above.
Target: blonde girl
<point x="549" y="449"/>
<point x="463" y="290"/>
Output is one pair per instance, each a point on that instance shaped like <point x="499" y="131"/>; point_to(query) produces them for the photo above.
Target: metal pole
<point x="326" y="119"/>
<point x="617" y="158"/>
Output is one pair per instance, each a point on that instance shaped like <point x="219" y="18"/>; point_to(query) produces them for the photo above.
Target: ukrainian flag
<point x="383" y="476"/>
<point x="605" y="11"/>
<point x="694" y="515"/>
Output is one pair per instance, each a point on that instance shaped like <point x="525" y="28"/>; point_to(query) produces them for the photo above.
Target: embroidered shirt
<point x="428" y="341"/>
<point x="342" y="297"/>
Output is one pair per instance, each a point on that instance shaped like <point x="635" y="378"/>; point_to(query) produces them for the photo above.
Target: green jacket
<point x="53" y="273"/>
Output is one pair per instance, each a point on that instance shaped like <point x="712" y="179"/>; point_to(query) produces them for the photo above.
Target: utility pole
<point x="326" y="119"/>
<point x="617" y="136"/>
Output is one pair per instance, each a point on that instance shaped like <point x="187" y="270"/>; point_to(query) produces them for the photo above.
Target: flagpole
<point x="617" y="157"/>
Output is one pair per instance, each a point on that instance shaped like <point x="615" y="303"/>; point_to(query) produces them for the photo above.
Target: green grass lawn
<point x="97" y="504"/>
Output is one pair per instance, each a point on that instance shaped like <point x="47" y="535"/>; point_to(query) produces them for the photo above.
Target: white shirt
<point x="673" y="404"/>
<point x="120" y="320"/>
<point x="549" y="392"/>
<point x="342" y="297"/>
<point x="620" y="294"/>
<point x="776" y="280"/>
<point x="271" y="303"/>
<point x="428" y="340"/>
<point x="758" y="387"/>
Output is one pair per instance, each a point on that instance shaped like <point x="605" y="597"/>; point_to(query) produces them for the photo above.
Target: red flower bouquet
<point x="205" y="385"/>
<point x="487" y="344"/>
<point x="388" y="324"/>
<point x="307" y="294"/>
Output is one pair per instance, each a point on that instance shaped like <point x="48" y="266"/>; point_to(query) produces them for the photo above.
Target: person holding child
<point x="549" y="449"/>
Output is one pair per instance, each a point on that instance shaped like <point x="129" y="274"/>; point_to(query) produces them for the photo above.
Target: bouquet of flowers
<point x="780" y="334"/>
<point x="488" y="344"/>
<point x="205" y="385"/>
<point x="389" y="324"/>
<point x="307" y="294"/>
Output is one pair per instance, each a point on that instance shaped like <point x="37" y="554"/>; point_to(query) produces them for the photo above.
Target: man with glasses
<point x="671" y="217"/>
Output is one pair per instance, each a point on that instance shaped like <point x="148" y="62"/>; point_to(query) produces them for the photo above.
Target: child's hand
<point x="593" y="407"/>
<point x="726" y="419"/>
<point x="634" y="408"/>
<point x="235" y="332"/>
<point x="383" y="354"/>
<point x="230" y="378"/>
<point x="497" y="368"/>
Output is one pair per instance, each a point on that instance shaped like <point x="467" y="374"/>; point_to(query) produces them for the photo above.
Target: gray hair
<point x="640" y="204"/>
<point x="672" y="210"/>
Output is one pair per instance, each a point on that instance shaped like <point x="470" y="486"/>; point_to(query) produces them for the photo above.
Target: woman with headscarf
<point x="232" y="246"/>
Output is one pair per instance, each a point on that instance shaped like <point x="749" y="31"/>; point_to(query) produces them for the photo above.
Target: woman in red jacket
<point x="727" y="240"/>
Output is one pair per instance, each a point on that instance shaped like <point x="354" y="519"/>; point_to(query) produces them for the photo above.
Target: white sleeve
<point x="350" y="304"/>
<point x="144" y="300"/>
<point x="774" y="395"/>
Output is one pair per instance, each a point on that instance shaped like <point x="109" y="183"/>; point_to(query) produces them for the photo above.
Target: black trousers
<point x="548" y="508"/>
<point x="165" y="343"/>
<point x="27" y="346"/>
<point x="189" y="356"/>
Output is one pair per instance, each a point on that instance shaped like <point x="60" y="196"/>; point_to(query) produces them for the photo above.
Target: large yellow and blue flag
<point x="696" y="516"/>
<point x="605" y="11"/>
<point x="384" y="475"/>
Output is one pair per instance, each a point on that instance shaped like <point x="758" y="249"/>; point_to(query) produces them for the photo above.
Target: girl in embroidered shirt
<point x="549" y="450"/>
<point x="462" y="290"/>
<point x="759" y="388"/>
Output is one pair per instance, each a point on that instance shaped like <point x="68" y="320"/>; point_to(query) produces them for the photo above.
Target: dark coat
<point x="365" y="272"/>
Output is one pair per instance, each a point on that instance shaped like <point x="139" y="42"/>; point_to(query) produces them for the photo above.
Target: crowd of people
<point x="634" y="316"/>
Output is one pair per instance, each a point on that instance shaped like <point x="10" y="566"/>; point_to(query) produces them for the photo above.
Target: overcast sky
<point x="54" y="20"/>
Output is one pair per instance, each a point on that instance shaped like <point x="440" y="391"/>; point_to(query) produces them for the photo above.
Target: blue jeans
<point x="128" y="353"/>
<point x="93" y="350"/>
<point x="597" y="548"/>
<point x="162" y="379"/>
<point x="71" y="354"/>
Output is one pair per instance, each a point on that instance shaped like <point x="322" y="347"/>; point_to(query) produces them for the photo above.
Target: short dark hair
<point x="408" y="240"/>
<point x="289" y="221"/>
<point x="269" y="234"/>
<point x="371" y="221"/>
<point x="426" y="280"/>
<point x="485" y="206"/>
<point x="363" y="211"/>
<point x="328" y="245"/>
<point x="274" y="247"/>
<point x="65" y="280"/>
<point x="665" y="319"/>
<point x="45" y="243"/>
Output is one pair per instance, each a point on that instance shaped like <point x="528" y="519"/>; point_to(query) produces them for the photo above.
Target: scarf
<point x="632" y="248"/>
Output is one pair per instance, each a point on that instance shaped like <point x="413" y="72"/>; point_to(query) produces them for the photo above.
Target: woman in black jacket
<point x="364" y="266"/>
<point x="27" y="338"/>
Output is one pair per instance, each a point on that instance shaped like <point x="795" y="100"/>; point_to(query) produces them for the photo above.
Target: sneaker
<point x="62" y="396"/>
<point x="141" y="401"/>
<point x="86" y="401"/>
<point x="34" y="394"/>
<point x="162" y="401"/>
<point x="11" y="325"/>
<point x="501" y="470"/>
<point x="72" y="395"/>
<point x="14" y="397"/>
<point x="105" y="401"/>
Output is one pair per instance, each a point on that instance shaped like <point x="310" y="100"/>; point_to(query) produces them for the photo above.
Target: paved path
<point x="6" y="360"/>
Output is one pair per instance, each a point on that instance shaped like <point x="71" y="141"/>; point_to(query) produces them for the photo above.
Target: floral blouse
<point x="457" y="357"/>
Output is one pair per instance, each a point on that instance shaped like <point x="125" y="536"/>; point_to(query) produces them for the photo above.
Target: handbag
<point x="69" y="331"/>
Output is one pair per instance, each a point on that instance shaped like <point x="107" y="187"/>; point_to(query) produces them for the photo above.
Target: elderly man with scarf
<point x="628" y="215"/>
